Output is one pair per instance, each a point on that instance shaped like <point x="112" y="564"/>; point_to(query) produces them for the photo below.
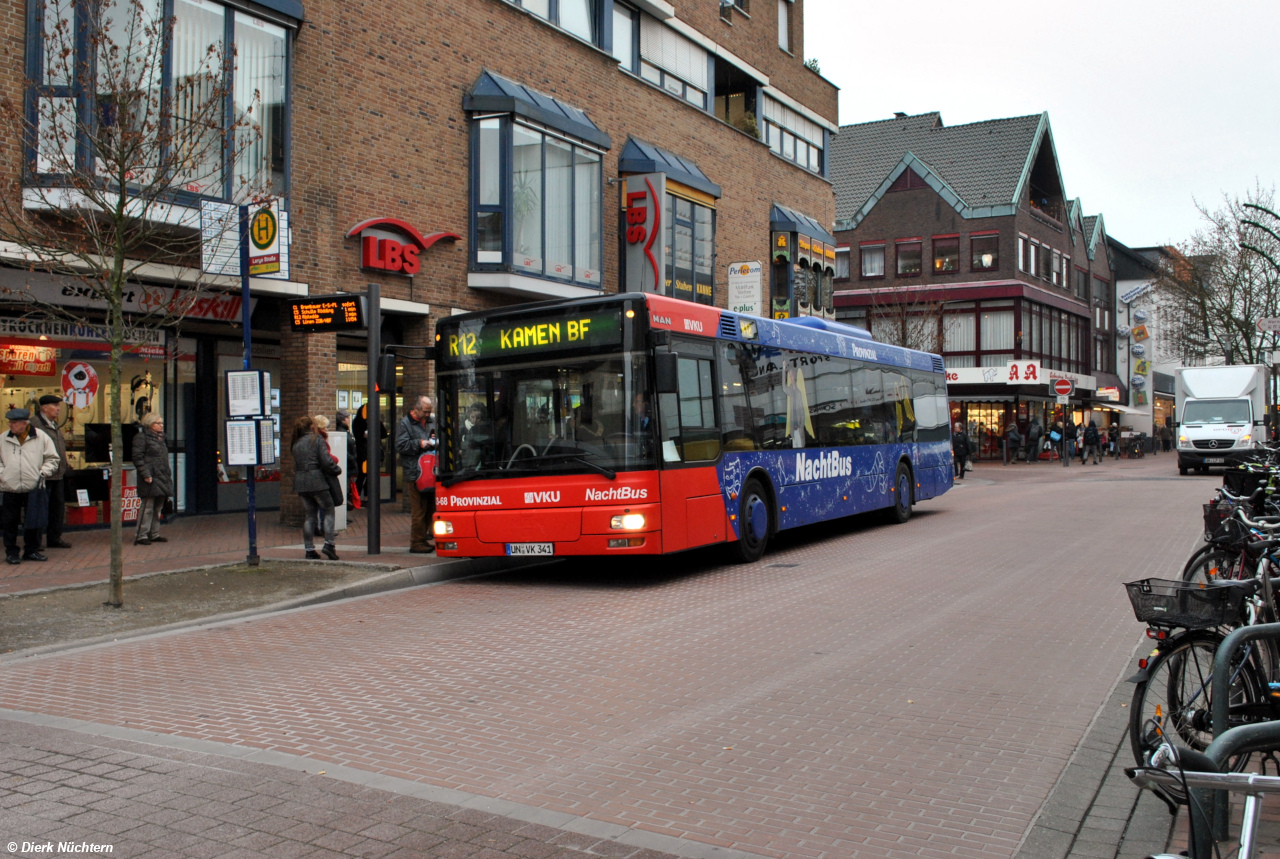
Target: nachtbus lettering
<point x="470" y="501"/>
<point x="618" y="493"/>
<point x="823" y="465"/>
<point x="541" y="497"/>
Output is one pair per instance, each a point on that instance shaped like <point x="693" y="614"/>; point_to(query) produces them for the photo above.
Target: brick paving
<point x="864" y="690"/>
<point x="197" y="540"/>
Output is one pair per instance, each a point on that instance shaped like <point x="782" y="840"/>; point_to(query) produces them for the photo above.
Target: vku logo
<point x="541" y="497"/>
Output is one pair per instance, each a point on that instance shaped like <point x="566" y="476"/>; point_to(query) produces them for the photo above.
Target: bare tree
<point x="110" y="138"/>
<point x="1221" y="283"/>
<point x="904" y="319"/>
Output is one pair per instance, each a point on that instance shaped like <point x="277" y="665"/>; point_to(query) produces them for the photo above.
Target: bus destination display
<point x="531" y="335"/>
<point x="327" y="313"/>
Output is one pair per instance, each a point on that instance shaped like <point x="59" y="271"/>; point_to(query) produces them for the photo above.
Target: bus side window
<point x="738" y="420"/>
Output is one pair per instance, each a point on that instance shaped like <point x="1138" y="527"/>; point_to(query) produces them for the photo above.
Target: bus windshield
<point x="584" y="415"/>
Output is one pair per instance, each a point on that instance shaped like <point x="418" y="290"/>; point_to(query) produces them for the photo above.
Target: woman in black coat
<point x="961" y="450"/>
<point x="155" y="479"/>
<point x="312" y="462"/>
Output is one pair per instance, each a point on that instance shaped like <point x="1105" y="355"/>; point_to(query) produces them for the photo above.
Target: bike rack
<point x="1229" y="742"/>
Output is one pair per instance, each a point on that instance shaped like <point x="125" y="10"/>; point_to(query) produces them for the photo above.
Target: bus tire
<point x="901" y="509"/>
<point x="755" y="522"/>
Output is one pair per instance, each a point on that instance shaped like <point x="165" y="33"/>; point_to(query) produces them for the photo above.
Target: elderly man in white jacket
<point x="27" y="457"/>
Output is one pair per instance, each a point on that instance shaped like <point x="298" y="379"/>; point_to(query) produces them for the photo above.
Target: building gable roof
<point x="494" y="93"/>
<point x="640" y="157"/>
<point x="984" y="165"/>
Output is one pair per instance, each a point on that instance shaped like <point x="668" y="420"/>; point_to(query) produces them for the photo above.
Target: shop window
<point x="946" y="254"/>
<point x="985" y="253"/>
<point x="690" y="247"/>
<point x="542" y="216"/>
<point x="93" y="83"/>
<point x="908" y="255"/>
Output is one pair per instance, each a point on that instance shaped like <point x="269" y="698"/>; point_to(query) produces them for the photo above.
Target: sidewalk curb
<point x="399" y="579"/>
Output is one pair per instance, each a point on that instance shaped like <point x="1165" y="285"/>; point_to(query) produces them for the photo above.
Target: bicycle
<point x="1167" y="775"/>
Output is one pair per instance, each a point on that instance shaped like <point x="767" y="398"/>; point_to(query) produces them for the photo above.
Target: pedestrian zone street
<point x="865" y="690"/>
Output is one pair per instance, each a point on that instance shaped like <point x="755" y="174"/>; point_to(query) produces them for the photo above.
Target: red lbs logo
<point x="389" y="244"/>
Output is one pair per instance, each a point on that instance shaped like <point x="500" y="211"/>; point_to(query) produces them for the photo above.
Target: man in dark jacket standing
<point x="961" y="450"/>
<point x="46" y="420"/>
<point x="155" y="478"/>
<point x="1035" y="436"/>
<point x="415" y="436"/>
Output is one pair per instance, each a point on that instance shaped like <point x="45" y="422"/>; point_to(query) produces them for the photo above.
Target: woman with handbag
<point x="315" y="473"/>
<point x="155" y="479"/>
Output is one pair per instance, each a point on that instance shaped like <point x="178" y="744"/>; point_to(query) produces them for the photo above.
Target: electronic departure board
<point x="327" y="313"/>
<point x="477" y="340"/>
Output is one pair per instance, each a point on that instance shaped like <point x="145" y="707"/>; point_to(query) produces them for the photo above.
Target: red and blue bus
<point x="636" y="424"/>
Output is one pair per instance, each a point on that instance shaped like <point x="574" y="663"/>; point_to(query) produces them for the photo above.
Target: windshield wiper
<point x="577" y="457"/>
<point x="610" y="475"/>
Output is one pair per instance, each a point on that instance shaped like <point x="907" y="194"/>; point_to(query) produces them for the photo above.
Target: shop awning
<point x="640" y="157"/>
<point x="784" y="220"/>
<point x="495" y="94"/>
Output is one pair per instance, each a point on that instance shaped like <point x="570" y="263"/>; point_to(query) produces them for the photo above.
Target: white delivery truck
<point x="1223" y="414"/>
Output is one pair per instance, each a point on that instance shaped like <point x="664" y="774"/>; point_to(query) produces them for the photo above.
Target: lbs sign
<point x="392" y="245"/>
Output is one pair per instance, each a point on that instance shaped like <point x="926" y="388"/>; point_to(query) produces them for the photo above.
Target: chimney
<point x="897" y="114"/>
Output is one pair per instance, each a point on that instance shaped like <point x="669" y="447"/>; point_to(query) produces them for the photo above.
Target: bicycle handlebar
<point x="1257" y="523"/>
<point x="1233" y="497"/>
<point x="1150" y="777"/>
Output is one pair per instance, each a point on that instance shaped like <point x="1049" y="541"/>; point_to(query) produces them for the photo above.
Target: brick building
<point x="462" y="156"/>
<point x="962" y="240"/>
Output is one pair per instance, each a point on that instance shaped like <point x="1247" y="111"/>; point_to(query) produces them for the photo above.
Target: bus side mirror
<point x="666" y="367"/>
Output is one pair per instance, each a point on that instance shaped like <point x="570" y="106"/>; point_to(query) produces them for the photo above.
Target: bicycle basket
<point x="1191" y="605"/>
<point x="1215" y="513"/>
<point x="1244" y="481"/>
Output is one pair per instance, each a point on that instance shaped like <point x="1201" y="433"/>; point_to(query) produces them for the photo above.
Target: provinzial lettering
<point x="469" y="501"/>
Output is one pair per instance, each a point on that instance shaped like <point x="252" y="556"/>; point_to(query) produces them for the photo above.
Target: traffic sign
<point x="1270" y="323"/>
<point x="1063" y="387"/>
<point x="1064" y="400"/>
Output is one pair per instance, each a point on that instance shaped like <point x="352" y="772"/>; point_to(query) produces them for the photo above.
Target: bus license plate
<point x="531" y="548"/>
<point x="1215" y="460"/>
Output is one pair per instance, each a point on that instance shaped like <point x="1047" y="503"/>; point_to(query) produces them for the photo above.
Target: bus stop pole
<point x="245" y="315"/>
<point x="373" y="425"/>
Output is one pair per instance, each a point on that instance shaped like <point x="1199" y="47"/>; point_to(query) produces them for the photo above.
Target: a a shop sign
<point x="745" y="283"/>
<point x="16" y="360"/>
<point x="1112" y="394"/>
<point x="642" y="205"/>
<point x="1140" y="332"/>
<point x="135" y="298"/>
<point x="1028" y="373"/>
<point x="1130" y="294"/>
<point x="394" y="246"/>
<point x="1023" y="373"/>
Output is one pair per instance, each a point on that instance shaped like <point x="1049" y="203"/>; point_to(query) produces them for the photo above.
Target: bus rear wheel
<point x="901" y="510"/>
<point x="754" y="520"/>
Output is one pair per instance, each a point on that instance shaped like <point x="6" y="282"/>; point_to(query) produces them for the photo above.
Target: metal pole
<point x="373" y="426"/>
<point x="245" y="322"/>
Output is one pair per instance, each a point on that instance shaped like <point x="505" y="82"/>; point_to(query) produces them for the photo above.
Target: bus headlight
<point x="627" y="522"/>
<point x="442" y="527"/>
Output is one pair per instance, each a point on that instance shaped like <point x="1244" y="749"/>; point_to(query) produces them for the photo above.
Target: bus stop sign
<point x="1063" y="387"/>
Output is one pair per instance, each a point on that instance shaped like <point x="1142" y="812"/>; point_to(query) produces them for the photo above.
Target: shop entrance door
<point x="986" y="423"/>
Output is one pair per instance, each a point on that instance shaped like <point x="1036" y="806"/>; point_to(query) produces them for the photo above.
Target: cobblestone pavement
<point x="197" y="540"/>
<point x="865" y="690"/>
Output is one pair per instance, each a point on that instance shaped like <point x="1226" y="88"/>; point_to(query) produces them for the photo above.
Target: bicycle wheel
<point x="1211" y="562"/>
<point x="1174" y="703"/>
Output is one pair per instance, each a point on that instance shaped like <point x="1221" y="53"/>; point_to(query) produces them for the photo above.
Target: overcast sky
<point x="1153" y="105"/>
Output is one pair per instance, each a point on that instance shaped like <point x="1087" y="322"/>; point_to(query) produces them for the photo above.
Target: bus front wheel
<point x="754" y="519"/>
<point x="901" y="510"/>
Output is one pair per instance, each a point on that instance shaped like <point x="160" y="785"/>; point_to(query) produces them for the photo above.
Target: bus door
<point x="693" y="511"/>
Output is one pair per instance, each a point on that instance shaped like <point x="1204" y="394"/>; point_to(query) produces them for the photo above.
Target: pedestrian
<point x="961" y="449"/>
<point x="1012" y="442"/>
<point x="1166" y="438"/>
<point x="415" y="436"/>
<point x="360" y="425"/>
<point x="1092" y="442"/>
<point x="312" y="463"/>
<point x="1069" y="433"/>
<point x="155" y="478"/>
<point x="27" y="458"/>
<point x="1113" y="440"/>
<point x="46" y="421"/>
<point x="1035" y="440"/>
